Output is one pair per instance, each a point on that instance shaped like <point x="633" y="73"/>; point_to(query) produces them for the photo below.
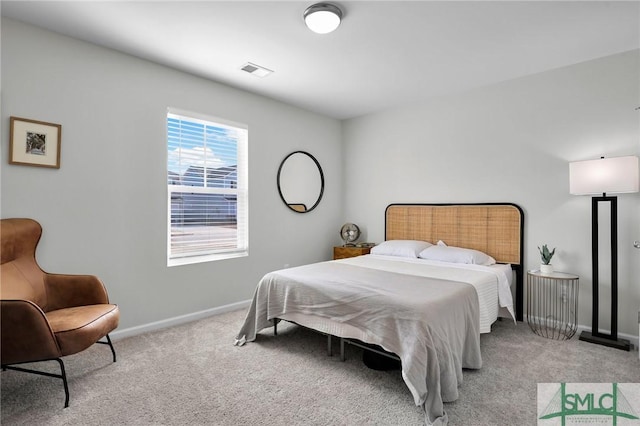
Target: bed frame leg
<point x="329" y="351"/>
<point x="342" y="358"/>
<point x="275" y="326"/>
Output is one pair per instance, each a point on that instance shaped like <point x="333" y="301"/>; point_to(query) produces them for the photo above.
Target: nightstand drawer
<point x="344" y="252"/>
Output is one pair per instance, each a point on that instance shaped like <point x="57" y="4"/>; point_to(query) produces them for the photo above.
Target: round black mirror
<point x="300" y="181"/>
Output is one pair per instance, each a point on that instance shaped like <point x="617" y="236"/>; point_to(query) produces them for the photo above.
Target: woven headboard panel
<point x="495" y="229"/>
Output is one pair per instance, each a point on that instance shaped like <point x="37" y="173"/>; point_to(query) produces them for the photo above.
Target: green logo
<point x="565" y="404"/>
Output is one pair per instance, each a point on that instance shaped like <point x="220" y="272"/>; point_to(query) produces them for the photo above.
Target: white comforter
<point x="493" y="286"/>
<point x="425" y="312"/>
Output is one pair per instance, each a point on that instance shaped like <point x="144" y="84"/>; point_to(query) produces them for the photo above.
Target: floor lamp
<point x="603" y="176"/>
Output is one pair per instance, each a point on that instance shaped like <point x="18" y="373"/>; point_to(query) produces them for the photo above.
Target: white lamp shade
<point x="605" y="175"/>
<point x="322" y="18"/>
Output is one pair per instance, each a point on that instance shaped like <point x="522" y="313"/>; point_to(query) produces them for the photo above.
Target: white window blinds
<point x="207" y="188"/>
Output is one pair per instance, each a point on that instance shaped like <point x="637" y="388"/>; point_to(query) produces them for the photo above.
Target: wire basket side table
<point x="552" y="304"/>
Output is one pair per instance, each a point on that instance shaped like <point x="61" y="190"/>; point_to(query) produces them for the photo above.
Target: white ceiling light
<point x="322" y="18"/>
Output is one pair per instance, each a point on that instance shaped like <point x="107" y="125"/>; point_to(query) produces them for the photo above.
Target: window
<point x="207" y="189"/>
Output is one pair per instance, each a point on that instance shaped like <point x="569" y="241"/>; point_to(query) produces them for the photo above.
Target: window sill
<point x="205" y="258"/>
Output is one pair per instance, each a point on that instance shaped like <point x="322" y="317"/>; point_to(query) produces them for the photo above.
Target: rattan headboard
<point x="493" y="228"/>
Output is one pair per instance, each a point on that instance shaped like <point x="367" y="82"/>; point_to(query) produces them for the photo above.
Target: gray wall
<point x="511" y="142"/>
<point x="104" y="211"/>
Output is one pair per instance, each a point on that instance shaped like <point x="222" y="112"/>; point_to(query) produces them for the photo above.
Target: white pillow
<point x="445" y="253"/>
<point x="403" y="248"/>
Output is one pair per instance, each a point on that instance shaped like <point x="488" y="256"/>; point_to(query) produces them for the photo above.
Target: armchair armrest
<point x="67" y="291"/>
<point x="26" y="334"/>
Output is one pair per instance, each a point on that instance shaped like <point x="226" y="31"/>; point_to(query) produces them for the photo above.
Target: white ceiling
<point x="383" y="55"/>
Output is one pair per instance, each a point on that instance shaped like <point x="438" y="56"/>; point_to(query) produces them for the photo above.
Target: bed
<point x="427" y="310"/>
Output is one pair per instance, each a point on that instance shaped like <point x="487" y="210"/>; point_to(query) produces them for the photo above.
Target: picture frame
<point x="34" y="143"/>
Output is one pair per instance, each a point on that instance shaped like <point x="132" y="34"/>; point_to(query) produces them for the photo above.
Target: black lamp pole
<point x="595" y="336"/>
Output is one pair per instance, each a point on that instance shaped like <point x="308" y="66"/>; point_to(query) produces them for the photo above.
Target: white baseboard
<point x="182" y="319"/>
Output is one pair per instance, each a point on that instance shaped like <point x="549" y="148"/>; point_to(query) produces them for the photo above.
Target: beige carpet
<point x="193" y="375"/>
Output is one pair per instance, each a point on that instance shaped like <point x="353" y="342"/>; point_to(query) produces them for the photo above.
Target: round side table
<point x="552" y="304"/>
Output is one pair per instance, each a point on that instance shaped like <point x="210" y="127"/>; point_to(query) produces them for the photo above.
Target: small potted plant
<point x="545" y="256"/>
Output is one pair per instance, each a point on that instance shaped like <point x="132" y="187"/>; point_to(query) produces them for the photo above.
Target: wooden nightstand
<point x="342" y="252"/>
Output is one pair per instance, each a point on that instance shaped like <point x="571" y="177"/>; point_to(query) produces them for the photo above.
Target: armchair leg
<point x="62" y="375"/>
<point x="108" y="342"/>
<point x="64" y="382"/>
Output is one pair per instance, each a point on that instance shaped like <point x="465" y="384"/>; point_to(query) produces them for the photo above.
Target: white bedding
<point x="493" y="287"/>
<point x="428" y="313"/>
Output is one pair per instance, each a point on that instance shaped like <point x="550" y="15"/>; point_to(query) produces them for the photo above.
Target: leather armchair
<point x="44" y="316"/>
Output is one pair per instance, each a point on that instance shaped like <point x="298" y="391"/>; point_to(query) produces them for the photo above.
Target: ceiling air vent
<point x="256" y="70"/>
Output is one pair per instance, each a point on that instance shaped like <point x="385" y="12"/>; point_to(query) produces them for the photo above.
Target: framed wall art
<point x="34" y="143"/>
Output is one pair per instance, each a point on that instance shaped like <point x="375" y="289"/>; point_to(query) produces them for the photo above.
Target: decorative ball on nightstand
<point x="349" y="233"/>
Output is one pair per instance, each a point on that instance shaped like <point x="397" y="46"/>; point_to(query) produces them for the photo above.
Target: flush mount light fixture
<point x="322" y="18"/>
<point x="257" y="70"/>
